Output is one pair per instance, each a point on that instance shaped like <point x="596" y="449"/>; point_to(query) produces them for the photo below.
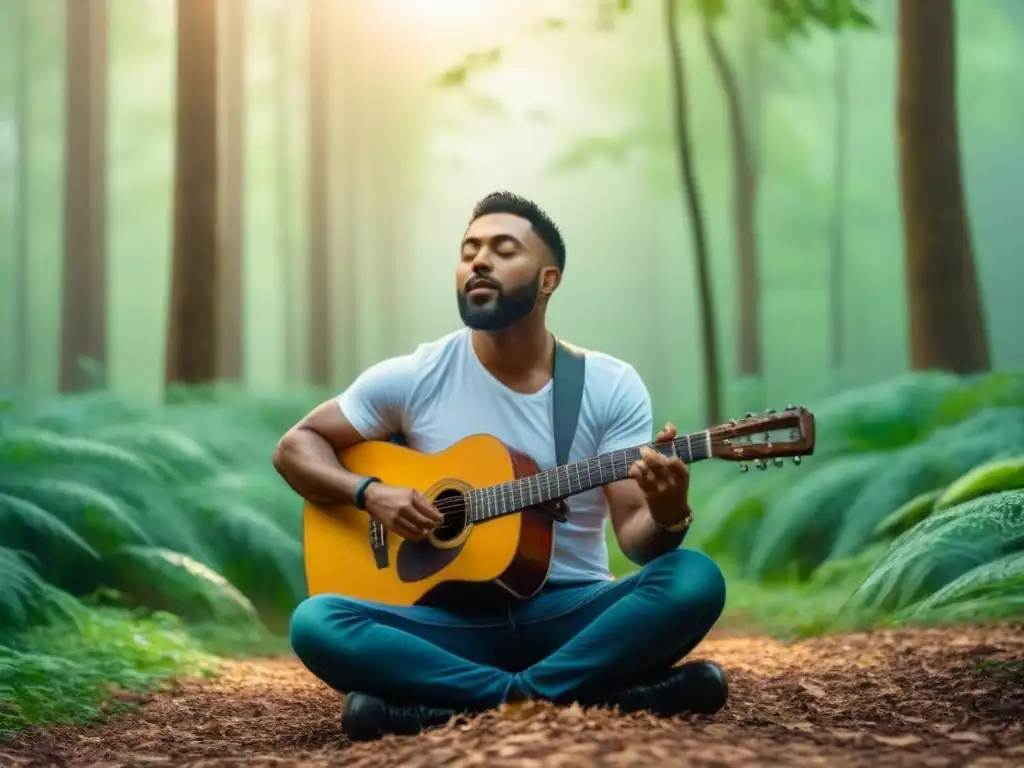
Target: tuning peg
<point x="778" y="462"/>
<point x="796" y="459"/>
<point x="790" y="407"/>
<point x="748" y="415"/>
<point x="760" y="464"/>
<point x="744" y="467"/>
<point x="769" y="411"/>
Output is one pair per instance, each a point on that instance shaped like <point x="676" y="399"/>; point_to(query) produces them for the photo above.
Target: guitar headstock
<point x="768" y="436"/>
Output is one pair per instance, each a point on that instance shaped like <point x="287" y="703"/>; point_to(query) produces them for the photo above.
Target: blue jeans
<point x="569" y="643"/>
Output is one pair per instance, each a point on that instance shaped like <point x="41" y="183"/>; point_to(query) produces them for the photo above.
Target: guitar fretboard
<point x="575" y="478"/>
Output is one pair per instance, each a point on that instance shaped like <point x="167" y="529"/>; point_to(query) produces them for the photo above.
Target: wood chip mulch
<point x="952" y="696"/>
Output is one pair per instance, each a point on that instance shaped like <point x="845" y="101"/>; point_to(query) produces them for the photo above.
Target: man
<point x="585" y="637"/>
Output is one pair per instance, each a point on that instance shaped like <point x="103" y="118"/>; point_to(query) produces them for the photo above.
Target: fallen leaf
<point x="907" y="740"/>
<point x="814" y="690"/>
<point x="968" y="736"/>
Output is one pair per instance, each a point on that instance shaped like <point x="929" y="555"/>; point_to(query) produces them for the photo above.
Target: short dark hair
<point x="509" y="202"/>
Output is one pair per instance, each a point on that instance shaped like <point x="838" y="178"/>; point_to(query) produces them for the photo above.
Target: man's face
<point x="502" y="272"/>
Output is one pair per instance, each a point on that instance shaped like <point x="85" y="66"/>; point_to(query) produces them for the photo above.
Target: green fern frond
<point x="1005" y="574"/>
<point x="172" y="581"/>
<point x="38" y="450"/>
<point x="948" y="453"/>
<point x="940" y="549"/>
<point x="990" y="477"/>
<point x="25" y="598"/>
<point x="799" y="527"/>
<point x="907" y="516"/>
<point x="96" y="516"/>
<point x="16" y="512"/>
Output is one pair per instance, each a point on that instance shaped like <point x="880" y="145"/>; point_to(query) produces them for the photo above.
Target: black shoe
<point x="367" y="717"/>
<point x="698" y="687"/>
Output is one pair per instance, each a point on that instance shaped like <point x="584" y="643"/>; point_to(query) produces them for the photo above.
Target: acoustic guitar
<point x="499" y="509"/>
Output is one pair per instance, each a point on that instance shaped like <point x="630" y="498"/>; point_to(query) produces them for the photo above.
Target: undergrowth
<point x="138" y="543"/>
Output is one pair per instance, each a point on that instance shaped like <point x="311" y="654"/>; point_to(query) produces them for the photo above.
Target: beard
<point x="503" y="311"/>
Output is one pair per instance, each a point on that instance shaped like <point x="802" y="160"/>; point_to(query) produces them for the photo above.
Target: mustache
<point x="480" y="282"/>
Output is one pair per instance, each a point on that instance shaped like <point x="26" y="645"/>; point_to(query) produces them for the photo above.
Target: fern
<point x="25" y="598"/>
<point x="951" y="451"/>
<point x="800" y="526"/>
<point x="939" y="550"/>
<point x="995" y="579"/>
<point x="174" y="582"/>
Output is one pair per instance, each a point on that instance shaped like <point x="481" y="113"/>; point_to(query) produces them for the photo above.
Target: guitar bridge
<point x="379" y="544"/>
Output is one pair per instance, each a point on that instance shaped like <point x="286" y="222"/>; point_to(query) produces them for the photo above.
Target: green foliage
<point x="1002" y="475"/>
<point x="74" y="672"/>
<point x="907" y="516"/>
<point x="967" y="549"/>
<point x="947" y="454"/>
<point x="175" y="508"/>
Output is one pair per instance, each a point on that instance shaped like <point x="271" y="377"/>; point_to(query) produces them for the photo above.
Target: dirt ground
<point x="923" y="697"/>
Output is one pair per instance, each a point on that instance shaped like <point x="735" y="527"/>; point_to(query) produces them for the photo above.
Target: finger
<point x="408" y="531"/>
<point x="427" y="510"/>
<point x="643" y="476"/>
<point x="667" y="433"/>
<point x="418" y="520"/>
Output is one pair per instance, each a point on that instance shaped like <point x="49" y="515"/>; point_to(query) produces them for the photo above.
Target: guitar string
<point x="457" y="505"/>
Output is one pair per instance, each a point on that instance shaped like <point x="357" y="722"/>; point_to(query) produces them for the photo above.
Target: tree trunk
<point x="695" y="213"/>
<point x="23" y="106"/>
<point x="947" y="327"/>
<point x="840" y="143"/>
<point x="283" y="195"/>
<point x="744" y="209"/>
<point x="320" y="356"/>
<point x="231" y="355"/>
<point x="83" y="355"/>
<point x="193" y="324"/>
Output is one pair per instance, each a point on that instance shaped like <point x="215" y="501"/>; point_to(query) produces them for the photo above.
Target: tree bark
<point x="283" y="196"/>
<point x="231" y="355"/>
<point x="23" y="106"/>
<point x="744" y="209"/>
<point x="695" y="213"/>
<point x="83" y="355"/>
<point x="320" y="353"/>
<point x="193" y="325"/>
<point x="840" y="145"/>
<point x="947" y="327"/>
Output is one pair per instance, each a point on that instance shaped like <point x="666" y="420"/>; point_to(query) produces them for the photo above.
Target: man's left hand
<point x="664" y="480"/>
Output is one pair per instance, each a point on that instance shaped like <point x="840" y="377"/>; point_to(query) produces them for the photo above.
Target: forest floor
<point x="950" y="696"/>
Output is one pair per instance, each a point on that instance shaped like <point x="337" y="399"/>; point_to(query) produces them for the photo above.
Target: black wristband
<point x="360" y="495"/>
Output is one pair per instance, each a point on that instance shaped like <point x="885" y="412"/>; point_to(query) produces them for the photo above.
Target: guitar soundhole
<point x="452" y="505"/>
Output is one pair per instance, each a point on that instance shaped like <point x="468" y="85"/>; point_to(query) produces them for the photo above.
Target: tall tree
<point x="694" y="211"/>
<point x="231" y="359"/>
<point x="83" y="305"/>
<point x="283" y="190"/>
<point x="840" y="146"/>
<point x="320" y="353"/>
<point x="947" y="326"/>
<point x="193" y="325"/>
<point x="744" y="199"/>
<point x="22" y="110"/>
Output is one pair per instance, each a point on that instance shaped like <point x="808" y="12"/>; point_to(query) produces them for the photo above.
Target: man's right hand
<point x="402" y="510"/>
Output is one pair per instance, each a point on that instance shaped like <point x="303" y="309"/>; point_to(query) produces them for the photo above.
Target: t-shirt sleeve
<point x="629" y="421"/>
<point x="377" y="402"/>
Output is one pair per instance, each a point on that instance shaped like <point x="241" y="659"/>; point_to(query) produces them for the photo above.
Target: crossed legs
<point x="568" y="644"/>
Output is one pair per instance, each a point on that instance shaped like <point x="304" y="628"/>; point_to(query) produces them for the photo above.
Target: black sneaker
<point x="697" y="687"/>
<point x="366" y="718"/>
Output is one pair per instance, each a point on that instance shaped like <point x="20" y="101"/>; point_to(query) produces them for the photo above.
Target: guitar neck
<point x="575" y="478"/>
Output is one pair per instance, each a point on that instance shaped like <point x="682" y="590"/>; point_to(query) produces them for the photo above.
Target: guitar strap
<point x="568" y="377"/>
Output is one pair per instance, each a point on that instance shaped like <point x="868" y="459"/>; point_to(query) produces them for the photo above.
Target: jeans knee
<point x="309" y="626"/>
<point x="697" y="583"/>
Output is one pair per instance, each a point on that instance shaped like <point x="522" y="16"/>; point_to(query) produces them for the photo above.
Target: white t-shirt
<point x="441" y="393"/>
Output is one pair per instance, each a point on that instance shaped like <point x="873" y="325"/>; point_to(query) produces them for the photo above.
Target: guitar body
<point x="512" y="552"/>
